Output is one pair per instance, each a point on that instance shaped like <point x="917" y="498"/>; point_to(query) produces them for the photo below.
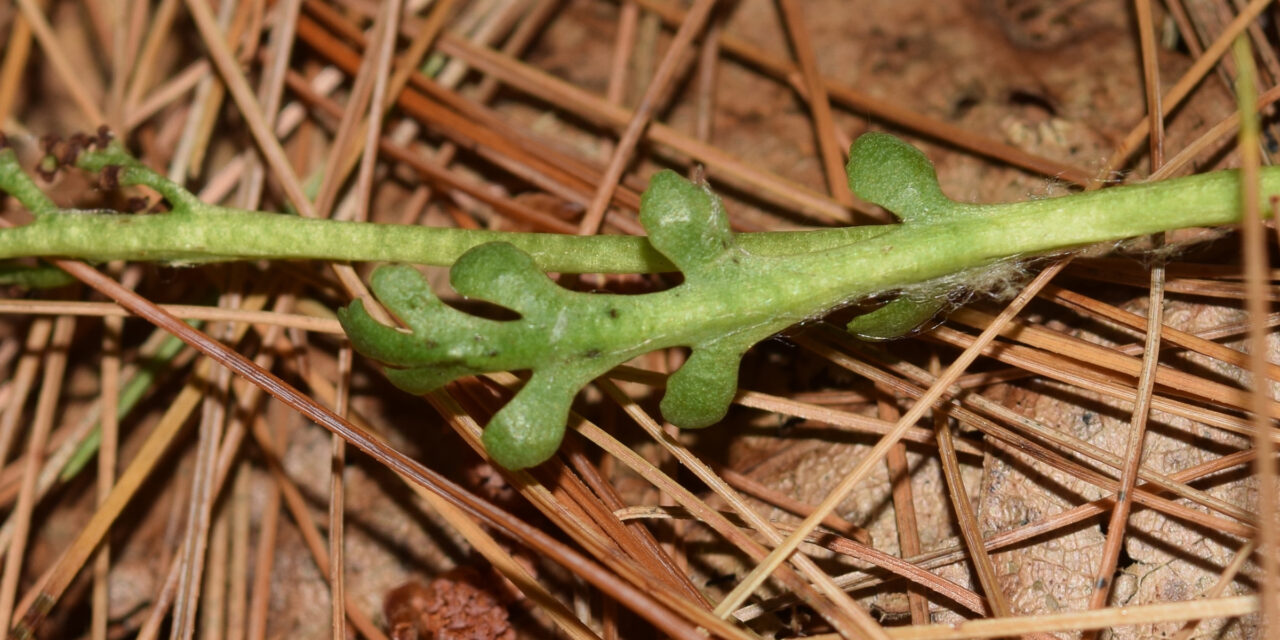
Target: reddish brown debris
<point x="103" y="137"/>
<point x="137" y="204"/>
<point x="110" y="180"/>
<point x="78" y="143"/>
<point x="49" y="142"/>
<point x="457" y="605"/>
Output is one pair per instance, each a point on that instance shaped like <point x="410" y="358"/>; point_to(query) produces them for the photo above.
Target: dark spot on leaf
<point x="592" y="353"/>
<point x="613" y="313"/>
<point x="492" y="354"/>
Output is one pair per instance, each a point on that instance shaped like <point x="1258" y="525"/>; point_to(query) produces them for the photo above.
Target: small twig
<point x="967" y="520"/>
<point x="824" y="127"/>
<point x="1188" y="81"/>
<point x="904" y="509"/>
<point x="55" y="362"/>
<point x="337" y="500"/>
<point x="107" y="462"/>
<point x="653" y="99"/>
<point x="624" y="44"/>
<point x="16" y="52"/>
<point x="61" y="66"/>
<point x="1253" y="239"/>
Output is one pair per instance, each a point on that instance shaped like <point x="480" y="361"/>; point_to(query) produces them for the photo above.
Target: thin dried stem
<point x="107" y="462"/>
<point x="311" y="536"/>
<point x="39" y="598"/>
<point x="1117" y="526"/>
<point x="951" y="553"/>
<point x="238" y="587"/>
<point x="851" y="480"/>
<point x="624" y="45"/>
<point x="54" y="366"/>
<point x="1168" y="335"/>
<point x="337" y="500"/>
<point x="719" y="163"/>
<point x="187" y="312"/>
<point x="686" y="499"/>
<point x="654" y="98"/>
<point x="1076" y="621"/>
<point x="16" y="53"/>
<point x="904" y="510"/>
<point x="844" y="546"/>
<point x="23" y="378"/>
<point x="1225" y="579"/>
<point x="444" y="144"/>
<point x="1189" y="80"/>
<point x="967" y="520"/>
<point x="65" y="71"/>
<point x="373" y="126"/>
<point x="863" y="103"/>
<point x="267" y="143"/>
<point x="824" y="126"/>
<point x="760" y="492"/>
<point x="336" y="167"/>
<point x="264" y="559"/>
<point x="574" y="523"/>
<point x="1217" y="132"/>
<point x="1036" y="432"/>
<point x="482" y="542"/>
<point x="1254" y="256"/>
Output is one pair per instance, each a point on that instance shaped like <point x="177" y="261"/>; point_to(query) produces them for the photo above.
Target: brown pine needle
<point x="505" y="115"/>
<point x="1254" y="256"/>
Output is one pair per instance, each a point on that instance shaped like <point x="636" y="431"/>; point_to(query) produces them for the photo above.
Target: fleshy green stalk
<point x="196" y="232"/>
<point x="738" y="288"/>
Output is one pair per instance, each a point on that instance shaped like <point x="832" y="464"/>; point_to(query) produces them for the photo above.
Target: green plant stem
<point x="197" y="232"/>
<point x="977" y="235"/>
<point x="738" y="288"/>
<point x="201" y="232"/>
<point x="219" y="234"/>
